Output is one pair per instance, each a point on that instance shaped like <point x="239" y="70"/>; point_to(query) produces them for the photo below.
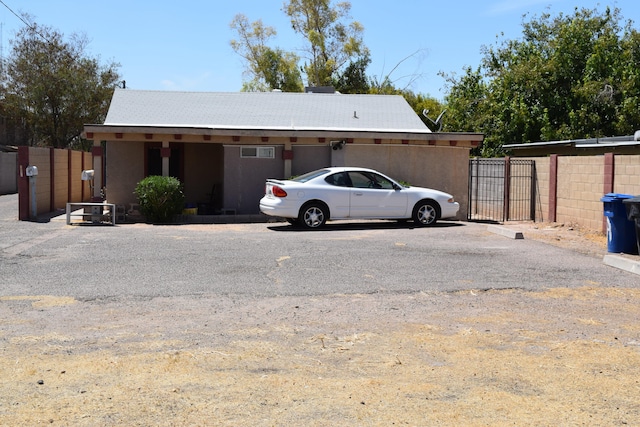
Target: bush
<point x="160" y="198"/>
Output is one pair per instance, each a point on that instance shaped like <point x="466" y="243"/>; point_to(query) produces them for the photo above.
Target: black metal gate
<point x="502" y="190"/>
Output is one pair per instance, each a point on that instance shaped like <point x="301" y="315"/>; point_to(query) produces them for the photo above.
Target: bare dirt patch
<point x="558" y="357"/>
<point x="566" y="235"/>
<point x="563" y="356"/>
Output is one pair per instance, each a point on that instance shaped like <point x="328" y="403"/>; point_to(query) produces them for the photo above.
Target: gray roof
<point x="263" y="110"/>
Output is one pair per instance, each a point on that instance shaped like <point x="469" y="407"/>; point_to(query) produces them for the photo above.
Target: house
<point x="223" y="146"/>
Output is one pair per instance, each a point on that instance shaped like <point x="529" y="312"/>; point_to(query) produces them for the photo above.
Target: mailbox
<point x="87" y="175"/>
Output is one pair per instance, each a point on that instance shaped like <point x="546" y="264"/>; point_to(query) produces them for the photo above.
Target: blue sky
<point x="184" y="45"/>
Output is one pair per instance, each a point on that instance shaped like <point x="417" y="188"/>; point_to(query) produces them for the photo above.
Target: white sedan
<point x="352" y="193"/>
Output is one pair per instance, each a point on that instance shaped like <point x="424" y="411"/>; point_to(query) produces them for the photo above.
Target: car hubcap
<point x="426" y="214"/>
<point x="313" y="217"/>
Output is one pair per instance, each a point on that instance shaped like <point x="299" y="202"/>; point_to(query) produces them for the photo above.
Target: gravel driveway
<point x="372" y="323"/>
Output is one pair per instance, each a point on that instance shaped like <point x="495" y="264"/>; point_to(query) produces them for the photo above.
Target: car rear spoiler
<point x="276" y="181"/>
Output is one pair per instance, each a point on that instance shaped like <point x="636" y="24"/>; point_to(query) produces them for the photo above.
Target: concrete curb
<point x="506" y="232"/>
<point x="626" y="264"/>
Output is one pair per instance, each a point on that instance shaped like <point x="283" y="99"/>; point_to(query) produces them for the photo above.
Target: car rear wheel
<point x="313" y="215"/>
<point x="425" y="213"/>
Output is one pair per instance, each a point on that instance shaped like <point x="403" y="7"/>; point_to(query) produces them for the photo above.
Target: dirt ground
<point x="473" y="358"/>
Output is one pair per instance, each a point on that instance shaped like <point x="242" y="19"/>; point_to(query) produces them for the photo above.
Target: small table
<point x="100" y="212"/>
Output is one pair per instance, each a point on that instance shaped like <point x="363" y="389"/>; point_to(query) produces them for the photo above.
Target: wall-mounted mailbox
<point x="32" y="171"/>
<point x="87" y="175"/>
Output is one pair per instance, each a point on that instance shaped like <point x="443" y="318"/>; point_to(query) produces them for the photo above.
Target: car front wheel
<point x="425" y="213"/>
<point x="313" y="215"/>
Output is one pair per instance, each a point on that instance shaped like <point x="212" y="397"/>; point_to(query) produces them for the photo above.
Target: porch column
<point x="287" y="156"/>
<point x="165" y="152"/>
<point x="96" y="152"/>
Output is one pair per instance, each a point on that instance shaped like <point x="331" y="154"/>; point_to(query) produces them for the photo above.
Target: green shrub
<point x="160" y="198"/>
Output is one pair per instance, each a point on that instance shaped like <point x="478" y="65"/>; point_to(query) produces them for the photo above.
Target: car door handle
<point x="357" y="194"/>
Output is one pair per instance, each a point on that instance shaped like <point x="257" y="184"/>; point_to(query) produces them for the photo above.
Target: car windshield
<point x="310" y="175"/>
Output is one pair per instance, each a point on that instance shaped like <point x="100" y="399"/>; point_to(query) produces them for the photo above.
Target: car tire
<point x="426" y="213"/>
<point x="313" y="215"/>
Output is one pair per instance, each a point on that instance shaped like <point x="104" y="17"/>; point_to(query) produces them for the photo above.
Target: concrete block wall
<point x="627" y="175"/>
<point x="580" y="187"/>
<point x="40" y="157"/>
<point x="542" y="188"/>
<point x="61" y="178"/>
<point x="78" y="189"/>
<point x="581" y="183"/>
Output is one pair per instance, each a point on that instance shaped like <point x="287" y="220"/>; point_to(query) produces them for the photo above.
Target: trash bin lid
<point x="612" y="197"/>
<point x="631" y="200"/>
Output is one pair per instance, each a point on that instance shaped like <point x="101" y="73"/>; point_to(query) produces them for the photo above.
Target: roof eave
<point x="410" y="134"/>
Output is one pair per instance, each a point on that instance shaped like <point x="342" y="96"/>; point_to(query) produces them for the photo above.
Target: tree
<point x="567" y="77"/>
<point x="468" y="110"/>
<point x="335" y="53"/>
<point x="388" y="83"/>
<point x="332" y="43"/>
<point x="427" y="108"/>
<point x="354" y="78"/>
<point x="53" y="87"/>
<point x="267" y="68"/>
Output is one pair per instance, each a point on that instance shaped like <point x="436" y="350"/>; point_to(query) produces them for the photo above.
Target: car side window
<point x="359" y="180"/>
<point x="370" y="180"/>
<point x="382" y="182"/>
<point x="338" y="179"/>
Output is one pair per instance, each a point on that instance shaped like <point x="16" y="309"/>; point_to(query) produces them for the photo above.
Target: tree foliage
<point x="267" y="68"/>
<point x="334" y="55"/>
<point x="334" y="51"/>
<point x="331" y="42"/>
<point x="53" y="88"/>
<point x="568" y="77"/>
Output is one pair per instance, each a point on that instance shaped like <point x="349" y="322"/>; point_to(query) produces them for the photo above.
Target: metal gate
<point x="502" y="190"/>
